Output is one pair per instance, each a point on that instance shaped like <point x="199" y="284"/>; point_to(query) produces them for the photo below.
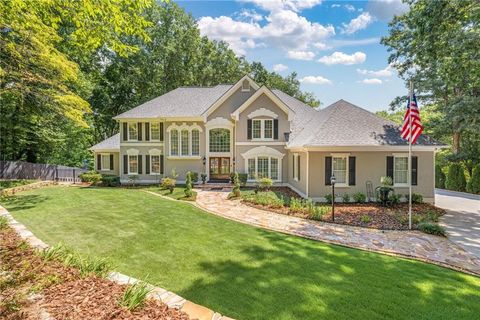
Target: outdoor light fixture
<point x="332" y="182"/>
<point x="204" y="160"/>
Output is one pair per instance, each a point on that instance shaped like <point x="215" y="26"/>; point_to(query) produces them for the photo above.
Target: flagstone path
<point x="411" y="244"/>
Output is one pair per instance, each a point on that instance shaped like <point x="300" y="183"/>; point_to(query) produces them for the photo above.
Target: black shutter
<point x="99" y="162"/>
<point x="161" y="131"/>
<point x="293" y="166"/>
<point x="111" y="161"/>
<point x="390" y="167"/>
<point x="414" y="171"/>
<point x="249" y="129"/>
<point x="298" y="167"/>
<point x="275" y="129"/>
<point x="351" y="171"/>
<point x="147" y="163"/>
<point x="139" y="128"/>
<point x="125" y="131"/>
<point x="328" y="170"/>
<point x="125" y="164"/>
<point x="147" y="131"/>
<point x="139" y="164"/>
<point x="161" y="164"/>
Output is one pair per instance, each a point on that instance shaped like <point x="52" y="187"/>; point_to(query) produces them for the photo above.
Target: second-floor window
<point x="174" y="142"/>
<point x="155" y="131"/>
<point x="219" y="140"/>
<point x="132" y="131"/>
<point x="262" y="129"/>
<point x="185" y="142"/>
<point x="195" y="142"/>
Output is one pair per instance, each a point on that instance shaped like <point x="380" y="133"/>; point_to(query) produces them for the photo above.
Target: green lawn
<point x="238" y="270"/>
<point x="178" y="193"/>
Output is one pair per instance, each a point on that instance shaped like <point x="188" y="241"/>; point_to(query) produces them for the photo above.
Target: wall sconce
<point x="233" y="160"/>
<point x="204" y="159"/>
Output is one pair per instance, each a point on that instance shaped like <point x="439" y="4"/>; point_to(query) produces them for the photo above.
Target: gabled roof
<point x="181" y="102"/>
<point x="109" y="144"/>
<point x="345" y="124"/>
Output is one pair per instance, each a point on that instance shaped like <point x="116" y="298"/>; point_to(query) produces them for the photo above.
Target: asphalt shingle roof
<point x="110" y="143"/>
<point x="181" y="102"/>
<point x="344" y="124"/>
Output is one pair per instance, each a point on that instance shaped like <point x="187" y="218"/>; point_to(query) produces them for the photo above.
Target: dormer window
<point x="245" y="86"/>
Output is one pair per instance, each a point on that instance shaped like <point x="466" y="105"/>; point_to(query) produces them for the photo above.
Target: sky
<point x="333" y="46"/>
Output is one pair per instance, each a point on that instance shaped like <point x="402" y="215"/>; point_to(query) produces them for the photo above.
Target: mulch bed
<point x="29" y="286"/>
<point x="354" y="214"/>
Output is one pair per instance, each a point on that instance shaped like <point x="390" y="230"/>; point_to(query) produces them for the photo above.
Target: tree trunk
<point x="456" y="142"/>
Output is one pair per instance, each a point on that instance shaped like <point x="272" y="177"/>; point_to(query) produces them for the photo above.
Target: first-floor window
<point x="155" y="164"/>
<point x="185" y="143"/>
<point x="105" y="162"/>
<point x="339" y="169"/>
<point x="400" y="174"/>
<point x="174" y="143"/>
<point x="132" y="164"/>
<point x="263" y="167"/>
<point x="195" y="142"/>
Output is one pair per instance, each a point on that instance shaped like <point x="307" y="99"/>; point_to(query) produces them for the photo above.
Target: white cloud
<point x="250" y="16"/>
<point x="315" y="80"/>
<point x="371" y="81"/>
<point x="349" y="7"/>
<point x="343" y="58"/>
<point x="279" y="67"/>
<point x="385" y="73"/>
<point x="359" y="23"/>
<point x="386" y="9"/>
<point x="284" y="29"/>
<point x="353" y="42"/>
<point x="275" y="5"/>
<point x="301" y="55"/>
<point x="335" y="5"/>
<point x="321" y="46"/>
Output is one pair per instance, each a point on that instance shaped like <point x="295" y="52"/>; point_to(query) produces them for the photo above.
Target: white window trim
<point x="270" y="157"/>
<point x="401" y="155"/>
<point x="130" y="172"/>
<point x="246" y="89"/>
<point x="296" y="159"/>
<point x="150" y="129"/>
<point x="102" y="168"/>
<point x="128" y="131"/>
<point x="179" y="129"/>
<point x="342" y="155"/>
<point x="262" y="112"/>
<point x="262" y="130"/>
<point x="159" y="163"/>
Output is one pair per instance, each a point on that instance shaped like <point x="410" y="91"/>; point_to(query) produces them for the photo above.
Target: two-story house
<point x="265" y="133"/>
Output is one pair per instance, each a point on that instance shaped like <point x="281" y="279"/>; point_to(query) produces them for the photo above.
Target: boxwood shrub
<point x="456" y="178"/>
<point x="473" y="185"/>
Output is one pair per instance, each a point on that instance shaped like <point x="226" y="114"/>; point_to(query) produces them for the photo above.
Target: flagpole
<point x="410" y="159"/>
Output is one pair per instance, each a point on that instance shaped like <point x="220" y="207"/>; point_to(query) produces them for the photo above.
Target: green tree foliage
<point x="439" y="177"/>
<point x="473" y="185"/>
<point x="436" y="44"/>
<point x="456" y="178"/>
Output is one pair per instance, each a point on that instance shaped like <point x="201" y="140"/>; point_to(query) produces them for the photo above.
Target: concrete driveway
<point x="462" y="220"/>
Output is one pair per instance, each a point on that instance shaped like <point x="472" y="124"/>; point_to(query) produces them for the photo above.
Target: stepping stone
<point x="196" y="311"/>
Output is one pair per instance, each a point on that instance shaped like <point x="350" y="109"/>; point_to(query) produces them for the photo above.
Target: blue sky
<point x="334" y="46"/>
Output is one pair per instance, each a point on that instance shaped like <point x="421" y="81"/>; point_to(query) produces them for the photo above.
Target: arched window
<point x="219" y="140"/>
<point x="174" y="142"/>
<point x="185" y="142"/>
<point x="195" y="142"/>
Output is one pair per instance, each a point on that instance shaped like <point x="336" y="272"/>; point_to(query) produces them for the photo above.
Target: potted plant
<point x="204" y="177"/>
<point x="383" y="192"/>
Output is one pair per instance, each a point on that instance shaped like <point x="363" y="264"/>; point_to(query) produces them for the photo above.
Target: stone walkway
<point x="411" y="244"/>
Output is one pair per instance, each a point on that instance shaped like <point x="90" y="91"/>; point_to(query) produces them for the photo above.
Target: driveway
<point x="462" y="220"/>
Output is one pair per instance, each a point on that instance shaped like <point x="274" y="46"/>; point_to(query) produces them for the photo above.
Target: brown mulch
<point x="29" y="286"/>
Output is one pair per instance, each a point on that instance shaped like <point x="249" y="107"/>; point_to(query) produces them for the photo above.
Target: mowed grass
<point x="238" y="270"/>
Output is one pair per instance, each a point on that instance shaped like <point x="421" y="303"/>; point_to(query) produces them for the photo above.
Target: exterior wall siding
<point x="299" y="186"/>
<point x="231" y="104"/>
<point x="370" y="166"/>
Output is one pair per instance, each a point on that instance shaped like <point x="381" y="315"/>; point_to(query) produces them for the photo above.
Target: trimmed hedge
<point x="110" y="180"/>
<point x="439" y="177"/>
<point x="473" y="185"/>
<point x="456" y="178"/>
<point x="91" y="176"/>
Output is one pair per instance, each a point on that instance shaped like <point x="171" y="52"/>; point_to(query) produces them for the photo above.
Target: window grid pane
<point x="340" y="169"/>
<point x="274" y="168"/>
<point x="174" y="142"/>
<point x="155" y="131"/>
<point x="185" y="143"/>
<point x="262" y="167"/>
<point x="155" y="163"/>
<point x="401" y="170"/>
<point x="133" y="164"/>
<point x="251" y="168"/>
<point x="268" y="134"/>
<point x="105" y="162"/>
<point x="132" y="131"/>
<point x="195" y="142"/>
<point x="256" y="129"/>
<point x="219" y="140"/>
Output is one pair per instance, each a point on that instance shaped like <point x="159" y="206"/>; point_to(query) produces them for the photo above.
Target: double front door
<point x="219" y="168"/>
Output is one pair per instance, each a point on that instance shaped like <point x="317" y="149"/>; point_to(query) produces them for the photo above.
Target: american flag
<point x="414" y="113"/>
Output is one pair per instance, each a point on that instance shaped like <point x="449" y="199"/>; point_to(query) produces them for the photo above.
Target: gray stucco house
<point x="265" y="133"/>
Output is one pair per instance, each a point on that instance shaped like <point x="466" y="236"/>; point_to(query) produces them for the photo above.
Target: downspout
<point x="308" y="172"/>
